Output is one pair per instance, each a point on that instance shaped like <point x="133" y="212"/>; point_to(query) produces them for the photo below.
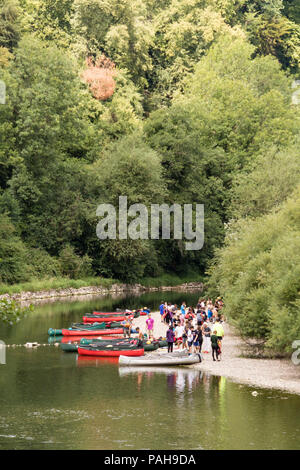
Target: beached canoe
<point x="88" y="332"/>
<point x="150" y="345"/>
<point x="111" y="350"/>
<point x="107" y="340"/>
<point x="90" y="318"/>
<point x="121" y="312"/>
<point x="162" y="343"/>
<point x="69" y="347"/>
<point x="147" y="345"/>
<point x="79" y="327"/>
<point x="71" y="343"/>
<point x="135" y="313"/>
<point x="95" y="329"/>
<point x="167" y="359"/>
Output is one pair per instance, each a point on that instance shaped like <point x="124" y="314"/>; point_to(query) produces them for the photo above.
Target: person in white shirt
<point x="178" y="334"/>
<point x="190" y="339"/>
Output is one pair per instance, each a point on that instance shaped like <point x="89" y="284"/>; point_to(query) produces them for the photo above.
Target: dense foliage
<point x="176" y="101"/>
<point x="11" y="311"/>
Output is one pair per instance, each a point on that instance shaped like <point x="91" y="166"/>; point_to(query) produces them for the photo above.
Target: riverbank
<point x="109" y="287"/>
<point x="279" y="374"/>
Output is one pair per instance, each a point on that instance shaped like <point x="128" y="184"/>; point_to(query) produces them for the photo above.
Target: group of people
<point x="195" y="329"/>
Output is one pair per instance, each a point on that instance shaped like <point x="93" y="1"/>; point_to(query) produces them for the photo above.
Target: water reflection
<point x="177" y="378"/>
<point x="53" y="400"/>
<point x="90" y="361"/>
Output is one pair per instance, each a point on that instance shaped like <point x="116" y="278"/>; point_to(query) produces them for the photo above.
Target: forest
<point x="170" y="101"/>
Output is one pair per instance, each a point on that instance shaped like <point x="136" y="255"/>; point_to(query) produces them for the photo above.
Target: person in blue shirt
<point x="182" y="308"/>
<point x="209" y="314"/>
<point x="162" y="310"/>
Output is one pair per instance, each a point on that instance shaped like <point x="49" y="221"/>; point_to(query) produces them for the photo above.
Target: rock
<point x="31" y="345"/>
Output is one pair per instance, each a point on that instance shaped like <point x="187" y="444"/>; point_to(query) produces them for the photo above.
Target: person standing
<point x="184" y="335"/>
<point x="199" y="318"/>
<point x="150" y="326"/>
<point x="206" y="338"/>
<point x="219" y="329"/>
<point x="127" y="326"/>
<point x="162" y="311"/>
<point x="170" y="338"/>
<point x="215" y="346"/>
<point x="178" y="334"/>
<point x="198" y="340"/>
<point x="190" y="339"/>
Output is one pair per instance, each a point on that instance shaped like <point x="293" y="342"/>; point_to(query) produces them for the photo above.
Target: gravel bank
<point x="279" y="374"/>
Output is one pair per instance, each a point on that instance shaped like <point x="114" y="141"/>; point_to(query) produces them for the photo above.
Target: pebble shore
<point x="279" y="374"/>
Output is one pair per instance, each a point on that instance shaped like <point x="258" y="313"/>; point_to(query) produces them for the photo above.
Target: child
<point x="170" y="338"/>
<point x="190" y="338"/>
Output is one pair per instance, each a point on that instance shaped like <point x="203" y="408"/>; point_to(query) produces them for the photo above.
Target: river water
<point x="54" y="400"/>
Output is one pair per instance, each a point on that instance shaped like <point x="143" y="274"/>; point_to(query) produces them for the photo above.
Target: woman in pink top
<point x="150" y="325"/>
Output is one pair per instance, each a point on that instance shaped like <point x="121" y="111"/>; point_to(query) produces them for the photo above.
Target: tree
<point x="277" y="36"/>
<point x="118" y="29"/>
<point x="48" y="20"/>
<point x="258" y="272"/>
<point x="12" y="253"/>
<point x="100" y="77"/>
<point x="292" y="10"/>
<point x="50" y="134"/>
<point x="11" y="311"/>
<point x="183" y="34"/>
<point x="265" y="183"/>
<point x="9" y="23"/>
<point x="128" y="168"/>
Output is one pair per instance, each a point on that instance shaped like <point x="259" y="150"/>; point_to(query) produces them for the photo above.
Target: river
<point x="54" y="400"/>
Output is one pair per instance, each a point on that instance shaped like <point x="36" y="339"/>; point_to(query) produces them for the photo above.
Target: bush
<point x="41" y="264"/>
<point x="74" y="266"/>
<point x="11" y="312"/>
<point x="258" y="274"/>
<point x="12" y="253"/>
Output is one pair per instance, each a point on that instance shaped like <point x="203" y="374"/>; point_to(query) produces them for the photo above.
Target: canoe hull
<point x="160" y="360"/>
<point x="69" y="347"/>
<point x="93" y="319"/>
<point x="99" y="332"/>
<point x="107" y="353"/>
<point x="110" y="313"/>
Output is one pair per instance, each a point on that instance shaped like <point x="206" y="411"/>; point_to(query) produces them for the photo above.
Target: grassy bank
<point x="171" y="280"/>
<point x="66" y="283"/>
<point x="55" y="283"/>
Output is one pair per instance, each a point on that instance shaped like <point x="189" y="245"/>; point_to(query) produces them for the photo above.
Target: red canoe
<point x="107" y="353"/>
<point x="111" y="313"/>
<point x="91" y="319"/>
<point x="111" y="331"/>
